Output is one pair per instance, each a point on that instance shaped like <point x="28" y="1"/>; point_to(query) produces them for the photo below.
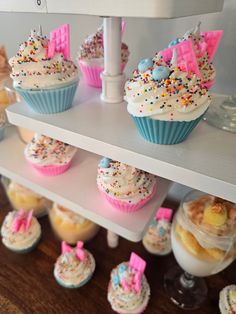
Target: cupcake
<point x="20" y="232"/>
<point x="124" y="187"/>
<point x="47" y="82"/>
<point x="205" y="46"/>
<point x="227" y="302"/>
<point x="91" y="58"/>
<point x="26" y="135"/>
<point x="128" y="290"/>
<point x="166" y="102"/>
<point x="2" y="124"/>
<point x="74" y="267"/>
<point x="157" y="239"/>
<point x="70" y="226"/>
<point x="22" y="197"/>
<point x="48" y="156"/>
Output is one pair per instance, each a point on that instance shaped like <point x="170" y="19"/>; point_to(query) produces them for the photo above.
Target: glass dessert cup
<point x="204" y="243"/>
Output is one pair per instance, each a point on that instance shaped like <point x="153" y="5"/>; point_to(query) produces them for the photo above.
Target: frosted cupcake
<point x="49" y="156"/>
<point x="74" y="267"/>
<point x="91" y="58"/>
<point x="227" y="302"/>
<point x="26" y="135"/>
<point x="22" y="197"/>
<point x="20" y="232"/>
<point x="128" y="290"/>
<point x="125" y="187"/>
<point x="157" y="239"/>
<point x="165" y="102"/>
<point x="46" y="82"/>
<point x="71" y="227"/>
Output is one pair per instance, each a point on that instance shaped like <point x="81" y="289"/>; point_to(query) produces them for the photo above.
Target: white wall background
<point x="144" y="37"/>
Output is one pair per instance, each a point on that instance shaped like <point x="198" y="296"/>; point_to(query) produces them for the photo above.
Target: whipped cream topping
<point x="180" y="97"/>
<point x="157" y="238"/>
<point x="130" y="302"/>
<point x="45" y="151"/>
<point x="68" y="215"/>
<point x="125" y="183"/>
<point x="92" y="48"/>
<point x="32" y="69"/>
<point x="71" y="271"/>
<point x="22" y="239"/>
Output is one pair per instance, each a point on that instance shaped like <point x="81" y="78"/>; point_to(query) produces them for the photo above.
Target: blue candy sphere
<point x="145" y="64"/>
<point x="162" y="232"/>
<point x="116" y="280"/>
<point x="122" y="268"/>
<point x="174" y="42"/>
<point x="105" y="162"/>
<point x="160" y="73"/>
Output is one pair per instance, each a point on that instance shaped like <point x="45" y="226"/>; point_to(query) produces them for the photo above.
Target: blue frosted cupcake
<point x="165" y="102"/>
<point x="74" y="267"/>
<point x="47" y="84"/>
<point x="20" y="232"/>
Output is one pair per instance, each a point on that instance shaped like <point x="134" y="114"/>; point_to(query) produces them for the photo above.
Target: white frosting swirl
<point x="45" y="151"/>
<point x="21" y="240"/>
<point x="181" y="97"/>
<point x="71" y="271"/>
<point x="32" y="69"/>
<point x="131" y="302"/>
<point x="125" y="183"/>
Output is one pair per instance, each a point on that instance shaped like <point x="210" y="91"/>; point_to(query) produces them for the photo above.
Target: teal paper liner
<point x="27" y="250"/>
<point x="165" y="132"/>
<point x="62" y="284"/>
<point x="49" y="101"/>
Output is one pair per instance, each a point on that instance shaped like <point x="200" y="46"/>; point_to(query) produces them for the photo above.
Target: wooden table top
<point x="27" y="284"/>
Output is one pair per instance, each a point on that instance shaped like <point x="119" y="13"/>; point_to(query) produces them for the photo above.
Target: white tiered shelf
<point x="205" y="161"/>
<point x="76" y="189"/>
<point x="132" y="8"/>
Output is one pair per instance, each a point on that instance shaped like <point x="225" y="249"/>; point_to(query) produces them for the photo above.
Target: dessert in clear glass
<point x="203" y="239"/>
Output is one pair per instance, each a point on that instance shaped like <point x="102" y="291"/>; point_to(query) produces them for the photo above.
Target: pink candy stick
<point x="79" y="251"/>
<point x="212" y="40"/>
<point x="186" y="58"/>
<point x="137" y="263"/>
<point x="65" y="248"/>
<point x="28" y="219"/>
<point x="164" y="213"/>
<point x="17" y="221"/>
<point x="60" y="41"/>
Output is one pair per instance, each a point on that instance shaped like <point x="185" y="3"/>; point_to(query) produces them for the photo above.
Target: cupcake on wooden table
<point x="91" y="57"/>
<point x="157" y="239"/>
<point x="20" y="232"/>
<point x="48" y="156"/>
<point x="128" y="290"/>
<point x="205" y="46"/>
<point x="125" y="187"/>
<point x="43" y="73"/>
<point x="166" y="96"/>
<point x="70" y="226"/>
<point x="74" y="267"/>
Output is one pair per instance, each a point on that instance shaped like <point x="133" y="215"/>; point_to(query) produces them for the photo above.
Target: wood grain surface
<point x="27" y="285"/>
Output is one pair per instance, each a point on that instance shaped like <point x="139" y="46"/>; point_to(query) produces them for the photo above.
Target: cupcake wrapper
<point x="209" y="84"/>
<point x="49" y="101"/>
<point x="165" y="132"/>
<point x="25" y="251"/>
<point x="92" y="74"/>
<point x="51" y="170"/>
<point x="62" y="284"/>
<point x="2" y="131"/>
<point x="126" y="207"/>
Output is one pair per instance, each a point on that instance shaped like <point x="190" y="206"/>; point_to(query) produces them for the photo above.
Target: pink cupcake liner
<point x="209" y="84"/>
<point x="127" y="207"/>
<point x="52" y="170"/>
<point x="92" y="74"/>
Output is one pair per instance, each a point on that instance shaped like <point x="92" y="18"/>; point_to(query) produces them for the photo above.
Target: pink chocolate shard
<point x="212" y="39"/>
<point x="65" y="248"/>
<point x="28" y="219"/>
<point x="186" y="58"/>
<point x="60" y="41"/>
<point x="137" y="263"/>
<point x="164" y="213"/>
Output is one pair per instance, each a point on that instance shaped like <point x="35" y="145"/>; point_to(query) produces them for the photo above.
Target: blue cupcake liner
<point x="2" y="131"/>
<point x="165" y="132"/>
<point x="62" y="284"/>
<point x="25" y="251"/>
<point x="49" y="101"/>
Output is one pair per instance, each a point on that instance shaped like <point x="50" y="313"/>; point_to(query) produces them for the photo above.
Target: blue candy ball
<point x="122" y="268"/>
<point x="162" y="232"/>
<point x="174" y="42"/>
<point x="160" y="73"/>
<point x="116" y="280"/>
<point x="145" y="64"/>
<point x="105" y="162"/>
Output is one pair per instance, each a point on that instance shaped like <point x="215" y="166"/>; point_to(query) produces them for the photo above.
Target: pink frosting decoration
<point x="138" y="265"/>
<point x="21" y="219"/>
<point x="186" y="57"/>
<point x="80" y="254"/>
<point x="60" y="41"/>
<point x="164" y="213"/>
<point x="212" y="40"/>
